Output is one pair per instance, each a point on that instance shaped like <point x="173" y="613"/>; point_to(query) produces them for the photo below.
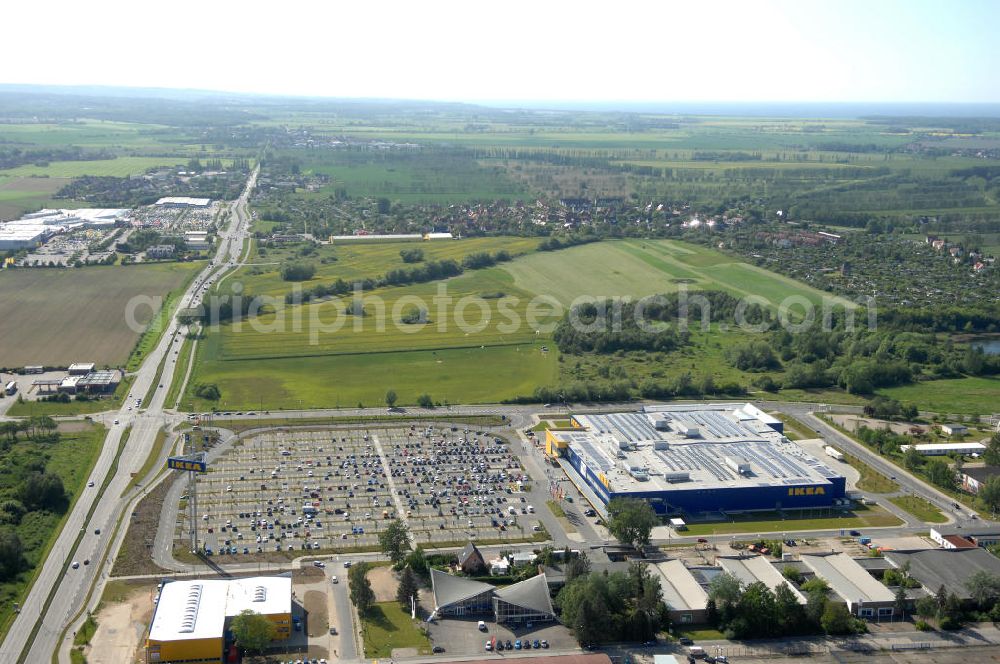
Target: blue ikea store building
<point x="695" y="458"/>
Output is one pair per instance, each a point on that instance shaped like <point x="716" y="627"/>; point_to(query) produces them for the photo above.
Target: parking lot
<point x="461" y="636"/>
<point x="336" y="489"/>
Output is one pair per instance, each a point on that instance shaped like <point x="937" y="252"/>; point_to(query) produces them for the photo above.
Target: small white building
<point x="954" y="429"/>
<point x="183" y="202"/>
<point x="524" y="558"/>
<point x="941" y="449"/>
<point x="499" y="567"/>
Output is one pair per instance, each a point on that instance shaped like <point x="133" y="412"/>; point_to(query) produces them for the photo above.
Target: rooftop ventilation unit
<point x="741" y="466"/>
<point x="190" y="614"/>
<point x="259" y="594"/>
<point x="677" y="476"/>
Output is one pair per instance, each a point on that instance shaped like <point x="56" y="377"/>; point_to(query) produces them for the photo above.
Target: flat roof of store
<point x="750" y="569"/>
<point x="697" y="447"/>
<point x="681" y="590"/>
<point x="847" y="577"/>
<point x="197" y="609"/>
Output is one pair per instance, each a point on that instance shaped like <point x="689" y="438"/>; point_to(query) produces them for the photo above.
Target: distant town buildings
<point x="183" y="201"/>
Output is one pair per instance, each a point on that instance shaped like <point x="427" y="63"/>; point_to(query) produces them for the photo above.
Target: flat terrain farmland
<point x="459" y="375"/>
<point x="461" y="312"/>
<point x="352" y="261"/>
<point x="23" y="194"/>
<point x="120" y="167"/>
<point x="953" y="395"/>
<point x="422" y="176"/>
<point x="639" y="268"/>
<point x="87" y="133"/>
<point x="59" y="316"/>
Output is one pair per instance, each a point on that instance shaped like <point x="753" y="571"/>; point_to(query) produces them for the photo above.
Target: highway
<point x="59" y="590"/>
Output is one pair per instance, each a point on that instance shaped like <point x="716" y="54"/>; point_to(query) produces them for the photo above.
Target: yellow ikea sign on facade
<point x="807" y="491"/>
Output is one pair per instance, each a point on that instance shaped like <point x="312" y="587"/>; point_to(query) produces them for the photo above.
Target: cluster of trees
<point x="756" y="611"/>
<point x="607" y="327"/>
<point x="885" y="408"/>
<point x="11" y="157"/>
<point x="208" y="391"/>
<point x="622" y="606"/>
<point x="360" y="588"/>
<point x="429" y="271"/>
<point x="631" y="520"/>
<point x="412" y="255"/>
<point x="426" y="271"/>
<point x="253" y="632"/>
<point x="484" y="259"/>
<point x="297" y="271"/>
<point x="145" y="238"/>
<point x="26" y="486"/>
<point x="753" y="356"/>
<point x="556" y="242"/>
<point x="934" y="469"/>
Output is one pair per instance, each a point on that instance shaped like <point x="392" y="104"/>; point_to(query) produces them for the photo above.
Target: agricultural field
<point x="412" y="177"/>
<point x="645" y="267"/>
<point x="57" y="316"/>
<point x="969" y="395"/>
<point x="24" y="194"/>
<point x="450" y="375"/>
<point x="353" y="261"/>
<point x="284" y="358"/>
<point x="119" y="167"/>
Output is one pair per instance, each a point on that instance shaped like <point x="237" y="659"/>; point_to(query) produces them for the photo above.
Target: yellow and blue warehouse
<point x="191" y="617"/>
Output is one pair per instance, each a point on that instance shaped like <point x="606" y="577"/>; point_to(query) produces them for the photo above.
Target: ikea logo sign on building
<point x="807" y="491"/>
<point x="180" y="463"/>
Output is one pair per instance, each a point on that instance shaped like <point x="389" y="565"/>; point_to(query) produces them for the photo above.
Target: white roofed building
<point x="191" y="616"/>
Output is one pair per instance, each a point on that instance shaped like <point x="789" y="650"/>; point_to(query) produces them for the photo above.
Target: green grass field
<point x="59" y="316"/>
<point x="276" y="359"/>
<point x="954" y="395"/>
<point x="919" y="508"/>
<point x="388" y="626"/>
<point x="646" y="267"/>
<point x="459" y="375"/>
<point x="869" y="517"/>
<point x="25" y="194"/>
<point x="359" y="261"/>
<point x="120" y="167"/>
<point x="871" y="480"/>
<point x="72" y="459"/>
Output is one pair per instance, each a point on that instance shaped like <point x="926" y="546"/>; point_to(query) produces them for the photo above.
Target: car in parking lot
<point x="489" y="646"/>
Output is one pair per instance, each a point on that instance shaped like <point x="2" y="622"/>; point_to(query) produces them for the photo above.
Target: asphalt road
<point x="99" y="507"/>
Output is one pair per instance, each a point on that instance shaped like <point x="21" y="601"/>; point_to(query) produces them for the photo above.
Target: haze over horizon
<point x="764" y="52"/>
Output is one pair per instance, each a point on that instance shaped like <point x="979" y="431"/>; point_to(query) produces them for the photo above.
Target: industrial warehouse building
<point x="864" y="596"/>
<point x="941" y="449"/>
<point x="183" y="202"/>
<point x="521" y="602"/>
<point x="683" y="593"/>
<point x="694" y="459"/>
<point x="36" y="228"/>
<point x="191" y="617"/>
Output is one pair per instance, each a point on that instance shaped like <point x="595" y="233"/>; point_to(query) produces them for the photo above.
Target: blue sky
<point x="620" y="50"/>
